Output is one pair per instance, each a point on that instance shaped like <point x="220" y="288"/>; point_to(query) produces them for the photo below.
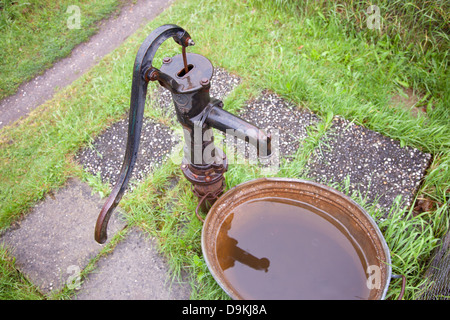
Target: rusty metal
<point x="355" y="220"/>
<point x="183" y="52"/>
<point x="402" y="290"/>
<point x="188" y="77"/>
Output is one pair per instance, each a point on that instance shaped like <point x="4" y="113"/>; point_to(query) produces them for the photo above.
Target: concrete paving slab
<point x="376" y="165"/>
<point x="56" y="239"/>
<point x="133" y="271"/>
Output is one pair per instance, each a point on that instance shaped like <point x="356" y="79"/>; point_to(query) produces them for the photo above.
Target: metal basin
<point x="357" y="223"/>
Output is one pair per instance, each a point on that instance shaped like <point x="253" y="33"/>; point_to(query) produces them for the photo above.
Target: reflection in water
<point x="312" y="256"/>
<point x="230" y="252"/>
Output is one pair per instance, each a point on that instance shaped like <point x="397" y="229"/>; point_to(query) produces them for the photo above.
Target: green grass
<point x="13" y="285"/>
<point x="316" y="56"/>
<point x="36" y="33"/>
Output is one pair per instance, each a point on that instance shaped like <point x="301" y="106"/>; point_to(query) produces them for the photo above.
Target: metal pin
<point x="183" y="52"/>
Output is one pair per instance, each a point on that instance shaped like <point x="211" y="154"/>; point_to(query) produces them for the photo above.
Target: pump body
<point x="188" y="77"/>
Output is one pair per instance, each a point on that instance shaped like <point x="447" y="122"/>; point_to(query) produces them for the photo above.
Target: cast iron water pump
<point x="187" y="76"/>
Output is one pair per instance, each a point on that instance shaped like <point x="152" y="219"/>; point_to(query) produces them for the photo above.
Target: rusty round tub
<point x="351" y="217"/>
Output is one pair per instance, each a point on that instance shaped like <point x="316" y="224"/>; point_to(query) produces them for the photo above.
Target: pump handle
<point x="143" y="71"/>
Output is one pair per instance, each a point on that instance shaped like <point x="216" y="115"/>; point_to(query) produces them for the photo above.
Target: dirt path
<point x="112" y="32"/>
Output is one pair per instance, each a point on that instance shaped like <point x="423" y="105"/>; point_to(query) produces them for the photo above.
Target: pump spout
<point x="230" y="124"/>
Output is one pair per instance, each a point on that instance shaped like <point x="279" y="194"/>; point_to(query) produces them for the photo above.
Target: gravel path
<point x="112" y="32"/>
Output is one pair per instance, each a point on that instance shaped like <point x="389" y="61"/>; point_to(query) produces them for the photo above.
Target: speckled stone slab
<point x="105" y="155"/>
<point x="377" y="166"/>
<point x="279" y="117"/>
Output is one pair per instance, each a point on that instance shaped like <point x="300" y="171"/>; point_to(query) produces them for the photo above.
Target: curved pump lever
<point x="143" y="72"/>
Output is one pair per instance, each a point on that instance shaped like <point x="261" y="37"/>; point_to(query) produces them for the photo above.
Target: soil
<point x="409" y="100"/>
